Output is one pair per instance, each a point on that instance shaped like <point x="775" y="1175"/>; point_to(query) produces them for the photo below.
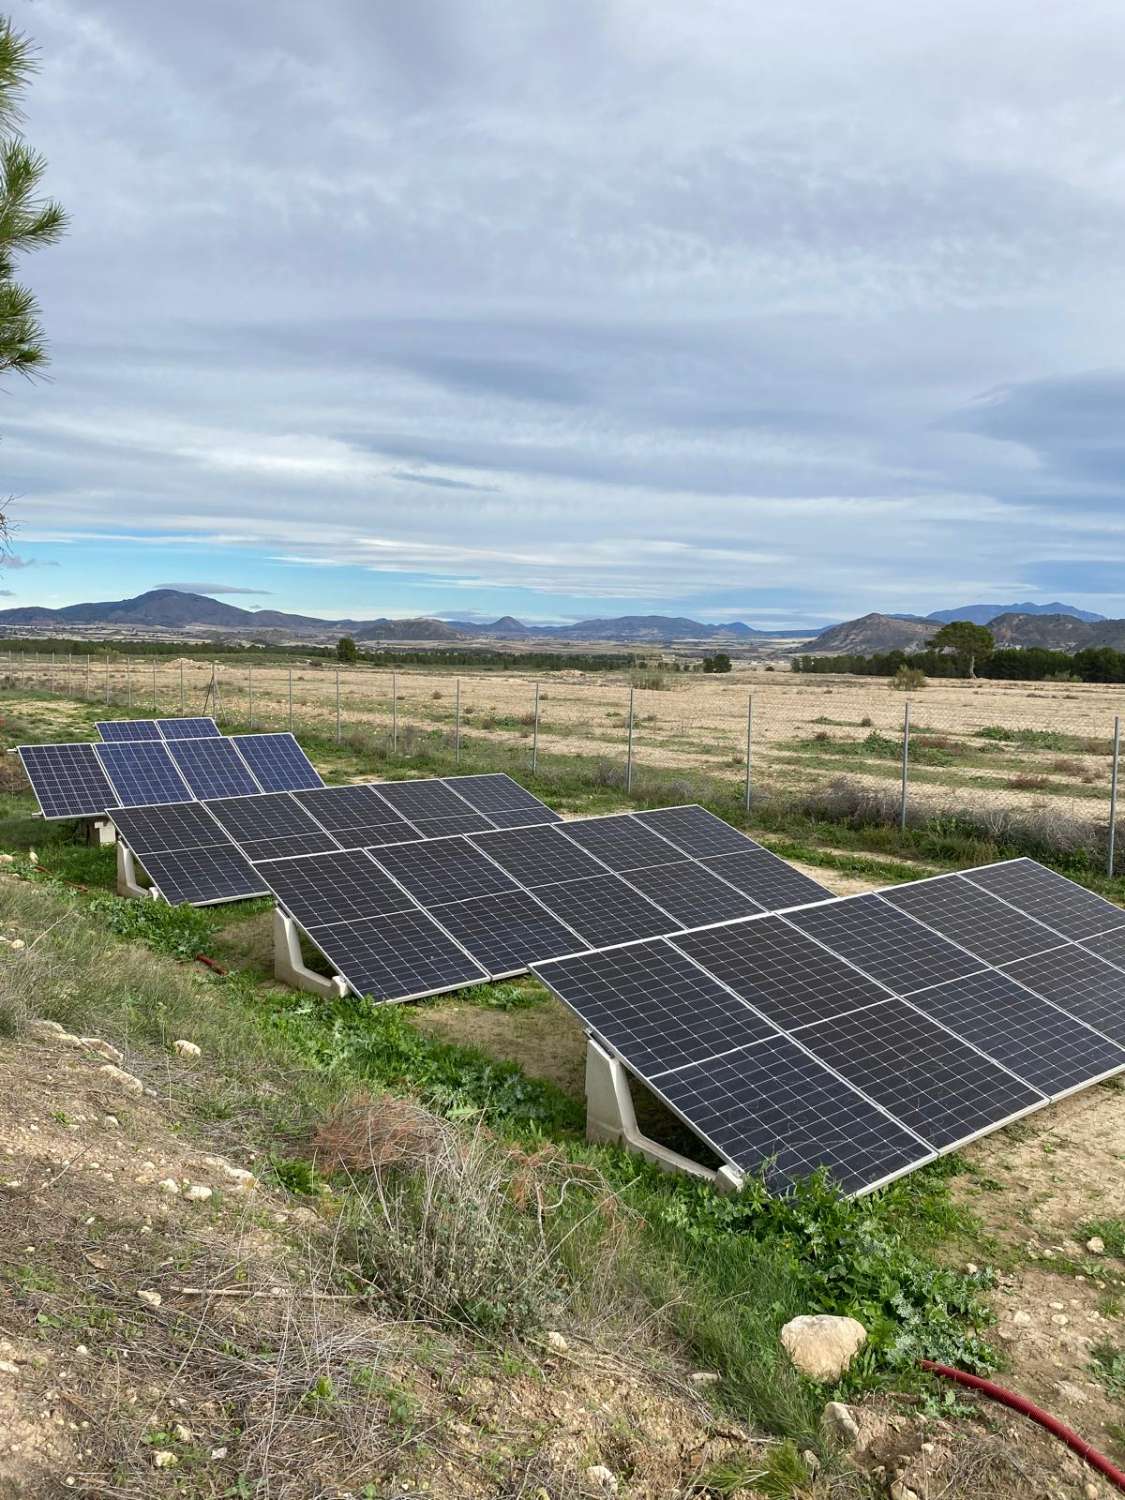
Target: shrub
<point x="908" y="679"/>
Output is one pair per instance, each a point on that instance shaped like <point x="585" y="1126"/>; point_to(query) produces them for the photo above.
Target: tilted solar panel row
<point x="867" y="1034"/>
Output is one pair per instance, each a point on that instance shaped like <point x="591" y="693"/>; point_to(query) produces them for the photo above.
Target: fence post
<point x="629" y="752"/>
<point x="290" y="697"/>
<point x="905" y="766"/>
<point x="86" y="694"/>
<point x="107" y="679"/>
<point x="250" y="693"/>
<point x="1113" y="794"/>
<point x="337" y="705"/>
<point x="129" y="683"/>
<point x="535" y="734"/>
<point x="51" y="680"/>
<point x="154" y="687"/>
<point x="457" y="721"/>
<point x="749" y="744"/>
<point x="215" y="692"/>
<point x="394" y="713"/>
<point x="182" y="710"/>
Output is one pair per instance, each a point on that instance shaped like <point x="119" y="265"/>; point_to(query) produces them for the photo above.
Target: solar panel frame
<point x="189" y="728"/>
<point x="336" y="886"/>
<point x="524" y="818"/>
<point x="690" y="894"/>
<point x="505" y="931"/>
<point x="277" y="762"/>
<point x="142" y="773"/>
<point x="427" y="798"/>
<point x="127" y="731"/>
<point x="207" y="875"/>
<point x="766" y="879"/>
<point x="454" y="823"/>
<point x="212" y="767"/>
<point x="69" y="781"/>
<point x="695" y="831"/>
<point x="167" y="827"/>
<point x="967" y="915"/>
<point x="1074" y="912"/>
<point x="1078" y="982"/>
<point x="494" y="791"/>
<point x="406" y="955"/>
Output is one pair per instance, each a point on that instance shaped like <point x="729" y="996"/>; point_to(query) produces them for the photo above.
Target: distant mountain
<point x="874" y="632"/>
<point x="984" y="614"/>
<point x="1058" y="632"/>
<point x="642" y="629"/>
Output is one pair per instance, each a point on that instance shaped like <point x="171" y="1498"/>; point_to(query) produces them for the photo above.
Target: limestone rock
<point x="1096" y="1245"/>
<point x="556" y="1341"/>
<point x="198" y="1193"/>
<point x="45" y="1030"/>
<point x="822" y="1346"/>
<point x="150" y="1299"/>
<point x="602" y="1479"/>
<point x="126" y="1082"/>
<point x="187" y="1049"/>
<point x="164" y="1458"/>
<point x="839" y="1426"/>
<point x="103" y="1049"/>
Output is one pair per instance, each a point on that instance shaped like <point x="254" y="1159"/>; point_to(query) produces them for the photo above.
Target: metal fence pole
<point x="905" y="766"/>
<point x="1113" y="795"/>
<point x="86" y="694"/>
<point x="629" y="752"/>
<point x="535" y="734"/>
<point x="394" y="713"/>
<point x="51" y="680"/>
<point x="290" y="699"/>
<point x="129" y="683"/>
<point x="337" y="705"/>
<point x="107" y="679"/>
<point x="182" y="707"/>
<point x="154" y="686"/>
<point x="250" y="693"/>
<point x="457" y="721"/>
<point x="215" y="692"/>
<point x="749" y="745"/>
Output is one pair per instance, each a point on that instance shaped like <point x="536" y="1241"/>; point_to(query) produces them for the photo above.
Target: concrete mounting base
<point x="100" y="831"/>
<point x="610" y="1117"/>
<point x="289" y="966"/>
<point x="127" y="882"/>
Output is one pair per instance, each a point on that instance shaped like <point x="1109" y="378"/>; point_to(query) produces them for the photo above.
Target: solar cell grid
<point x="349" y="807"/>
<point x="604" y="910"/>
<point x="188" y="729"/>
<point x="691" y="894"/>
<point x="118" y="731"/>
<point x="454" y="823"/>
<point x="180" y="825"/>
<point x="653" y="1006"/>
<point x="1064" y="906"/>
<point x="68" y="780"/>
<point x="325" y="888"/>
<point x="772" y="1108"/>
<point x="537" y="856"/>
<point x="402" y="956"/>
<point x="277" y="761"/>
<point x="620" y="842"/>
<point x="445" y="870"/>
<point x="142" y="772"/>
<point x="971" y="917"/>
<point x="212" y="873"/>
<point x="494" y="792"/>
<point x="934" y="1083"/>
<point x="523" y="817"/>
<point x="288" y="845"/>
<point x="430" y="798"/>
<point x="1040" y="1043"/>
<point x="1080" y="983"/>
<point x="696" y="831"/>
<point x="780" y="971"/>
<point x="885" y="943"/>
<point x="212" y="767"/>
<point x="766" y="879"/>
<point x="267" y="815"/>
<point x="504" y="933"/>
<point x="1109" y="946"/>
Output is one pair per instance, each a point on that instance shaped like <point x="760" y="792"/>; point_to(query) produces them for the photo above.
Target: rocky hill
<point x="874" y="632"/>
<point x="984" y="614"/>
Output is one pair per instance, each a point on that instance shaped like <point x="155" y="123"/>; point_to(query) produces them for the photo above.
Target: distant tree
<point x="908" y="679"/>
<point x="346" y="649"/>
<point x="720" y="662"/>
<point x="27" y="222"/>
<point x="969" y="643"/>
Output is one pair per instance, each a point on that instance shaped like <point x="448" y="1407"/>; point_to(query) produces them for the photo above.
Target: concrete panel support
<point x="289" y="966"/>
<point x="127" y="882"/>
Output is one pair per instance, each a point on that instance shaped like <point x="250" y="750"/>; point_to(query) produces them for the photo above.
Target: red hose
<point x="201" y="958"/>
<point x="1028" y="1408"/>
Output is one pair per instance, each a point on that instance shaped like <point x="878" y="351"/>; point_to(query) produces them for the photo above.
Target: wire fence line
<point x="954" y="749"/>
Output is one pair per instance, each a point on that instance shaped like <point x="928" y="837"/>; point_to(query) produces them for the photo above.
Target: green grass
<point x="1107" y="1365"/>
<point x="1110" y="1231"/>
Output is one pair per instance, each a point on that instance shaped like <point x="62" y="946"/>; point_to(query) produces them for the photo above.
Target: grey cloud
<point x="13" y="560"/>
<point x="210" y="588"/>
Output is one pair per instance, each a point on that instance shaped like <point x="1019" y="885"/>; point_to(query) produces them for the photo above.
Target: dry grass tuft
<point x="371" y="1132"/>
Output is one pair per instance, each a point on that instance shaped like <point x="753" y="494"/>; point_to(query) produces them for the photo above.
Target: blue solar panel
<point x="277" y="761"/>
<point x="143" y="773"/>
<point x="67" y="779"/>
<point x="212" y="768"/>
<point x="116" y="730"/>
<point x="188" y="729"/>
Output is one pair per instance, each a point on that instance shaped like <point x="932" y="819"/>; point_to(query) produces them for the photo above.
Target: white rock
<point x="1096" y="1245"/>
<point x="1091" y="1491"/>
<point x="556" y="1341"/>
<point x="82" y="1351"/>
<point x="971" y="1269"/>
<point x="150" y="1299"/>
<point x="704" y="1377"/>
<point x="124" y="1081"/>
<point x="604" y="1479"/>
<point x="8" y="1368"/>
<point x="111" y="1122"/>
<point x="822" y="1346"/>
<point x="182" y="1433"/>
<point x="839" y="1426"/>
<point x="163" y="1458"/>
<point x="103" y="1049"/>
<point x="187" y="1049"/>
<point x="16" y="944"/>
<point x="241" y="1181"/>
<point x="900" y="1490"/>
<point x="1022" y="1319"/>
<point x="218" y="1453"/>
<point x="45" y="1029"/>
<point x="198" y="1193"/>
<point x="169" y="1186"/>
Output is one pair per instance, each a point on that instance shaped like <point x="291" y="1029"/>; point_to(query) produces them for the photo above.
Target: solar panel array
<point x="866" y="1034"/>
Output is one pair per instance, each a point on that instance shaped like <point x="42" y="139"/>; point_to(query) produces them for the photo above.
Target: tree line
<point x="1027" y="664"/>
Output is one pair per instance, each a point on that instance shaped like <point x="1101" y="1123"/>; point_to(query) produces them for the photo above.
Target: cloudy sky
<point x="780" y="313"/>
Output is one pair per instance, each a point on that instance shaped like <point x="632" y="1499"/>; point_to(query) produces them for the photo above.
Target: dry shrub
<point x="20" y="977"/>
<point x="12" y="776"/>
<point x="1065" y="767"/>
<point x="370" y="1132"/>
<point x="1029" y="781"/>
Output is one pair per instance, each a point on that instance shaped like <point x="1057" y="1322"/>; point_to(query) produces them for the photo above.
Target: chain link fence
<point x="1045" y="753"/>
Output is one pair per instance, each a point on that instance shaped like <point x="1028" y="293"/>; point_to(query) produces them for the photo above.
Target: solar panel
<point x="68" y="780"/>
<point x="1108" y="945"/>
<point x="696" y="831"/>
<point x="771" y="1107"/>
<point x="653" y="1006"/>
<point x="621" y="842"/>
<point x="277" y="761"/>
<point x="356" y="816"/>
<point x="118" y="730"/>
<point x="691" y="894"/>
<point x="430" y="798"/>
<point x="766" y="879"/>
<point x="537" y="856"/>
<point x="212" y="767"/>
<point x="180" y="825"/>
<point x="1080" y="983"/>
<point x="523" y="817"/>
<point x="970" y="916"/>
<point x="1033" y="1038"/>
<point x="203" y="876"/>
<point x="785" y="974"/>
<point x="188" y="729"/>
<point x="445" y="870"/>
<point x="271" y="826"/>
<point x="1059" y="903"/>
<point x="142" y="772"/>
<point x="504" y="933"/>
<point x="341" y="887"/>
<point x="496" y="792"/>
<point x="885" y="943"/>
<point x="399" y="957"/>
<point x="603" y="910"/>
<point x="446" y="827"/>
<point x="936" y="1084"/>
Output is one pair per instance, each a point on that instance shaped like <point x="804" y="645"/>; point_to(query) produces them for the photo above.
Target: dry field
<point x="980" y="744"/>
